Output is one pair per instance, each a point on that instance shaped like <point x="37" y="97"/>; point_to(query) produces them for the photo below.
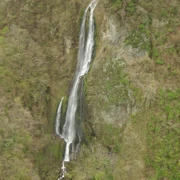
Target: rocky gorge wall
<point x="115" y="89"/>
<point x="130" y="79"/>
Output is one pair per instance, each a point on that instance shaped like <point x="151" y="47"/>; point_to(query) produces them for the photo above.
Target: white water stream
<point x="58" y="118"/>
<point x="86" y="43"/>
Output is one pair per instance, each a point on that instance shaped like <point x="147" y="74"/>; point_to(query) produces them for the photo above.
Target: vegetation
<point x="163" y="136"/>
<point x="33" y="77"/>
<point x="125" y="83"/>
<point x="131" y="130"/>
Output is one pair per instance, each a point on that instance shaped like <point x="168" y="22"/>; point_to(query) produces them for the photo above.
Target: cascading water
<point x="86" y="43"/>
<point x="58" y="118"/>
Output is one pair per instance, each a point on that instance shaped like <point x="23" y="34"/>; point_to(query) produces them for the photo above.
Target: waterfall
<point x="84" y="59"/>
<point x="70" y="132"/>
<point x="58" y="118"/>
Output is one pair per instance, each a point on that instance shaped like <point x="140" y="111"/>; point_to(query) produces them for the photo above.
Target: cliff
<point x="132" y="92"/>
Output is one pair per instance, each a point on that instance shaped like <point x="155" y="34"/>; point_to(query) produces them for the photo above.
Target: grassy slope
<point x="36" y="54"/>
<point x="161" y="30"/>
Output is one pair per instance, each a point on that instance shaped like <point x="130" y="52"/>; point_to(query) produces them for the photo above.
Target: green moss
<point x="99" y="176"/>
<point x="116" y="82"/>
<point x="110" y="136"/>
<point x="1" y="39"/>
<point x="131" y="7"/>
<point x="163" y="137"/>
<point x="159" y="61"/>
<point x="49" y="159"/>
<point x="100" y="164"/>
<point x="138" y="38"/>
<point x="4" y="30"/>
<point x="116" y="5"/>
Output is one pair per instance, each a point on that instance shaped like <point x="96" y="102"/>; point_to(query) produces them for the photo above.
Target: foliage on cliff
<point x="132" y="91"/>
<point x="139" y="86"/>
<point x="38" y="42"/>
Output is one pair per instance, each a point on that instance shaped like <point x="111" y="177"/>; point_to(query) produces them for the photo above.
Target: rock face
<point x="122" y="87"/>
<point x="118" y="86"/>
<point x="121" y="77"/>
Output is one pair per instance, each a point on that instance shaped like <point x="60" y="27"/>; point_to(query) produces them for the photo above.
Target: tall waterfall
<point x="84" y="59"/>
<point x="70" y="134"/>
